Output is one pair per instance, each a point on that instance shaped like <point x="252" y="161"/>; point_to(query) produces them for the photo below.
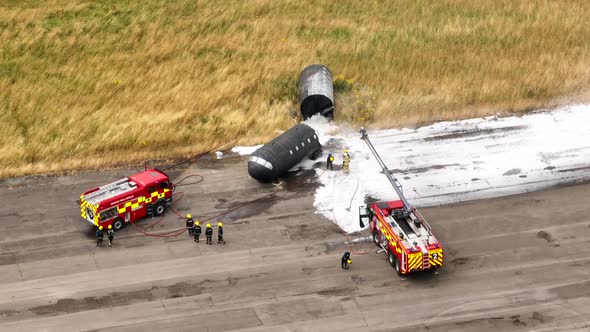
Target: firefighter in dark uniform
<point x="110" y="235"/>
<point x="220" y="233"/>
<point x="209" y="233"/>
<point x="190" y="225"/>
<point x="99" y="236"/>
<point x="329" y="162"/>
<point x="197" y="231"/>
<point x="345" y="261"/>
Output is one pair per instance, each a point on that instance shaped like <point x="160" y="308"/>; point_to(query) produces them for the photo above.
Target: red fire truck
<point x="399" y="229"/>
<point x="127" y="200"/>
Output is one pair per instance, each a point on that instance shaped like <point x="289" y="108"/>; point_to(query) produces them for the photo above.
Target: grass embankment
<point x="88" y="84"/>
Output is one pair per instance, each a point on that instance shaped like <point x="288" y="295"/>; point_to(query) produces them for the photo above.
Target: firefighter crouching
<point x="345" y="261"/>
<point x="189" y="225"/>
<point x="220" y="233"/>
<point x="197" y="231"/>
<point x="110" y="235"/>
<point x="209" y="233"/>
<point x="329" y="162"/>
<point x="99" y="236"/>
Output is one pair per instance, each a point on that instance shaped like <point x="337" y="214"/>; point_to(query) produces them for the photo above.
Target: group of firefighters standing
<point x="194" y="230"/>
<point x="100" y="235"/>
<point x="193" y="227"/>
<point x="345" y="162"/>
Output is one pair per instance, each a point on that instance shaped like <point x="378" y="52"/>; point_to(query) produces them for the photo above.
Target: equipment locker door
<point x="363" y="216"/>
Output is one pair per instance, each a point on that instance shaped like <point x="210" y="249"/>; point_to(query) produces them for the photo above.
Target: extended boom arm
<point x="394" y="182"/>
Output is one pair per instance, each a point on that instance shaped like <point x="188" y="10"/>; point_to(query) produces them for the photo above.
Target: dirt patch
<point x="357" y="279"/>
<point x="545" y="236"/>
<point x="314" y="231"/>
<point x="572" y="291"/>
<point x="460" y="261"/>
<point x="7" y="313"/>
<point x="479" y="320"/>
<point x="517" y="322"/>
<point x="541" y="317"/>
<point x="341" y="291"/>
<point x="180" y="289"/>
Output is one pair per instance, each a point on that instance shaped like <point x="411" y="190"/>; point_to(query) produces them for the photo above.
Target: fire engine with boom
<point x="145" y="193"/>
<point x="398" y="228"/>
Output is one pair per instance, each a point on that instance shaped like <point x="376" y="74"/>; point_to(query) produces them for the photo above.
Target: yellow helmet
<point x="100" y="227"/>
<point x="346" y="151"/>
<point x="110" y="226"/>
<point x="188" y="216"/>
<point x="197" y="223"/>
<point x="208" y="225"/>
<point x="349" y="261"/>
<point x="219" y="224"/>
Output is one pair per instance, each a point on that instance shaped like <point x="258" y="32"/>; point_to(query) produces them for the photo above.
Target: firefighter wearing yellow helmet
<point x="345" y="162"/>
<point x="220" y="233"/>
<point x="190" y="225"/>
<point x="110" y="235"/>
<point x="345" y="261"/>
<point x="99" y="236"/>
<point x="209" y="233"/>
<point x="197" y="231"/>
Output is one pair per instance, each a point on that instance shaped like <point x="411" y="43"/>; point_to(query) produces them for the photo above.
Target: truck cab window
<point x="164" y="185"/>
<point x="151" y="189"/>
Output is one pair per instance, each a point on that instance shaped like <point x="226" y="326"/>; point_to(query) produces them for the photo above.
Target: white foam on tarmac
<point x="453" y="161"/>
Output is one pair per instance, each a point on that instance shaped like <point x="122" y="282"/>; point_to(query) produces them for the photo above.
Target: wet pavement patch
<point x="247" y="208"/>
<point x="417" y="170"/>
<point x="479" y="320"/>
<point x="545" y="236"/>
<point x="473" y="133"/>
<point x="65" y="306"/>
<point x="513" y="171"/>
<point x="460" y="261"/>
<point x="541" y="317"/>
<point x="573" y="291"/>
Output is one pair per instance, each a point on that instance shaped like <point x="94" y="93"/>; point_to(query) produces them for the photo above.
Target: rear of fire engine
<point x="400" y="230"/>
<point x="148" y="193"/>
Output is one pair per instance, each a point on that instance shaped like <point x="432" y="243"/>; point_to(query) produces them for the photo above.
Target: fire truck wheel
<point x="118" y="224"/>
<point x="159" y="208"/>
<point x="376" y="238"/>
<point x="391" y="258"/>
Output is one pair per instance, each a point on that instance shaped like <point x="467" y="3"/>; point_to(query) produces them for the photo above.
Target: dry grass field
<point x="87" y="84"/>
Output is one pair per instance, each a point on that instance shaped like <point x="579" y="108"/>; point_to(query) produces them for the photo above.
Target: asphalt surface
<point x="513" y="263"/>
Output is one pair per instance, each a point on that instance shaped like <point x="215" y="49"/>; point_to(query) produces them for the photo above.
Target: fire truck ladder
<point x="110" y="190"/>
<point x="394" y="182"/>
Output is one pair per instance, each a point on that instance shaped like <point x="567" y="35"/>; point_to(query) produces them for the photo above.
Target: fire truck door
<point x="363" y="216"/>
<point x="127" y="216"/>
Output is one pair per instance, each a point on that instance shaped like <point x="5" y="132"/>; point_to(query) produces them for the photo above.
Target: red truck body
<point x="127" y="200"/>
<point x="407" y="240"/>
<point x="399" y="228"/>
